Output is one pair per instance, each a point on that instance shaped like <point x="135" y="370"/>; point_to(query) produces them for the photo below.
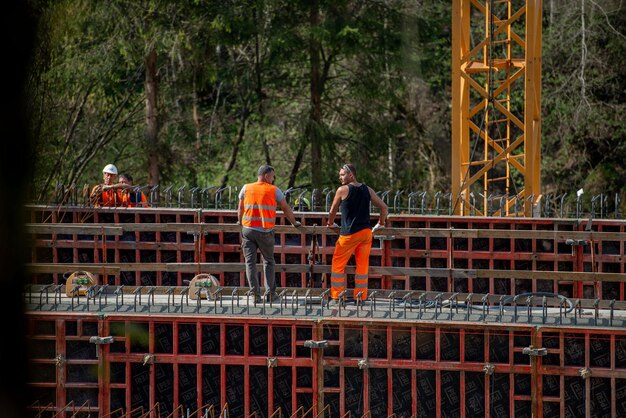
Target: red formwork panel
<point x="494" y="253"/>
<point x="176" y="365"/>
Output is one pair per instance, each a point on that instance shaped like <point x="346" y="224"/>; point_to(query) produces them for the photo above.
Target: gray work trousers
<point x="252" y="240"/>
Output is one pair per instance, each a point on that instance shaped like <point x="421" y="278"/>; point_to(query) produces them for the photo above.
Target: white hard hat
<point x="110" y="168"/>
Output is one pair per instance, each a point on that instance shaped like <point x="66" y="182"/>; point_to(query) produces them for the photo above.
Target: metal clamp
<point x="489" y="369"/>
<point x="576" y="242"/>
<point x="101" y="340"/>
<point x="585" y="373"/>
<point x="535" y="352"/>
<point x="316" y="344"/>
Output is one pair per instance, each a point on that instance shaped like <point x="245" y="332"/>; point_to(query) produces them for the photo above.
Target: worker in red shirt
<point x="107" y="194"/>
<point x="131" y="196"/>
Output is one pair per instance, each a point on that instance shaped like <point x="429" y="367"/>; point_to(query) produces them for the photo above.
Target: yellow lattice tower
<point x="496" y="106"/>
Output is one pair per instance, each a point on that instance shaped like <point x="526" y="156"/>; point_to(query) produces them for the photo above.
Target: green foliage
<point x="234" y="91"/>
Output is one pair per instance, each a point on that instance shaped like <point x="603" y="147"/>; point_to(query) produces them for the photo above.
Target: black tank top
<point x="355" y="210"/>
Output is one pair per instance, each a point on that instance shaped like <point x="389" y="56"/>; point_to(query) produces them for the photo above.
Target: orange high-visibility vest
<point x="259" y="203"/>
<point x="109" y="198"/>
<point x="139" y="198"/>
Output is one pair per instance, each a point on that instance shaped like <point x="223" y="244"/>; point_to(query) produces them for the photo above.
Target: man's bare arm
<point x="288" y="213"/>
<point x="339" y="195"/>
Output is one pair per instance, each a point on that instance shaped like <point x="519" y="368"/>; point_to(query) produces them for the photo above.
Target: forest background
<point x="200" y="93"/>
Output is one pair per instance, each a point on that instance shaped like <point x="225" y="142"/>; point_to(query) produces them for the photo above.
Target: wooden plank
<point x="81" y="229"/>
<point x="114" y="268"/>
<point x="552" y="275"/>
<point x="195" y="228"/>
<point x="70" y="268"/>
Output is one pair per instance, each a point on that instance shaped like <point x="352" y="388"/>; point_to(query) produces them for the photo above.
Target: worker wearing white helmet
<point x="108" y="193"/>
<point x="110" y="169"/>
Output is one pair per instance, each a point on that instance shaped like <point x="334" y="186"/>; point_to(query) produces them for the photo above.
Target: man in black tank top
<point x="355" y="235"/>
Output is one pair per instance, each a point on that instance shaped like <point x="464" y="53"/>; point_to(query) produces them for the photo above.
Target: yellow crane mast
<point x="496" y="105"/>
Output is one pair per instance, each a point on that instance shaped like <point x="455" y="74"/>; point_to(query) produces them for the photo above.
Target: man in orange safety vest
<point x="257" y="215"/>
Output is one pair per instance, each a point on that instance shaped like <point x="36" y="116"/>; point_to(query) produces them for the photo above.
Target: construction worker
<point x="355" y="234"/>
<point x="131" y="197"/>
<point x="256" y="214"/>
<point x="108" y="193"/>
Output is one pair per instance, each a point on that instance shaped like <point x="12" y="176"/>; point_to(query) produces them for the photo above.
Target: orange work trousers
<point x="359" y="244"/>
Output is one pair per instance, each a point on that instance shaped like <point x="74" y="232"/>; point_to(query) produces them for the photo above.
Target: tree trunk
<point x="315" y="117"/>
<point x="235" y="150"/>
<point x="296" y="165"/>
<point x="152" y="123"/>
<point x="261" y="95"/>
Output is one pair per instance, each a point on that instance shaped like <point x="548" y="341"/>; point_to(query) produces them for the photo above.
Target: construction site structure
<point x="146" y="312"/>
<point x="517" y="308"/>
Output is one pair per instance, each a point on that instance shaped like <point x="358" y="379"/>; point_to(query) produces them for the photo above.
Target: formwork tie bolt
<point x="340" y="300"/>
<point x="421" y="299"/>
<point x="485" y="301"/>
<point x="456" y="305"/>
<point x="74" y="293"/>
<point x="489" y="369"/>
<point x="408" y="297"/>
<point x="307" y="297"/>
<point x="44" y="290"/>
<point x="585" y="373"/>
<point x="282" y="298"/>
<point x="170" y="292"/>
<point x="501" y="303"/>
<point x="151" y="290"/>
<point x="119" y="293"/>
<point x="372" y="297"/>
<point x="99" y="294"/>
<point x="234" y="293"/>
<point x="91" y="293"/>
<point x="438" y="303"/>
<point x="57" y="295"/>
<point x="137" y="292"/>
<point x="358" y="301"/>
<point x="596" y="307"/>
<point x="216" y="295"/>
<point x="248" y="294"/>
<point x="294" y="300"/>
<point x="515" y="308"/>
<point x="529" y="302"/>
<point x="183" y="293"/>
<point x="392" y="304"/>
<point x="322" y="296"/>
<point x="468" y="304"/>
<point x="198" y="294"/>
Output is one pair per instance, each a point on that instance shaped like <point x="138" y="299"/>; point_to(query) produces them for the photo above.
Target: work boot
<point x="257" y="298"/>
